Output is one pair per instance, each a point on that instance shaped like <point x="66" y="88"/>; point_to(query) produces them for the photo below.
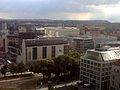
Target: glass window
<point x="117" y="70"/>
<point x="44" y="52"/>
<point x="34" y="53"/>
<point x="113" y="77"/>
<point x="113" y="83"/>
<point x="53" y="51"/>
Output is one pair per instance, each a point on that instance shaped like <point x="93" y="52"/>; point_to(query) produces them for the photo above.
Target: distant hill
<point x="48" y="22"/>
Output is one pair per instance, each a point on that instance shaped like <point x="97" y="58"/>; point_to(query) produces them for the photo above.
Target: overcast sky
<point x="61" y="9"/>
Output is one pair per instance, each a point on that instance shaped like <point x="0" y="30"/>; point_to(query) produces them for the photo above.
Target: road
<point x="15" y="83"/>
<point x="65" y="86"/>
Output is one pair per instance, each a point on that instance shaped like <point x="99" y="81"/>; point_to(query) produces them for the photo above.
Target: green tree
<point x="50" y="86"/>
<point x="43" y="68"/>
<point x="50" y="66"/>
<point x="21" y="67"/>
<point x="4" y="70"/>
<point x="34" y="67"/>
<point x="66" y="64"/>
<point x="13" y="68"/>
<point x="61" y="64"/>
<point x="74" y="54"/>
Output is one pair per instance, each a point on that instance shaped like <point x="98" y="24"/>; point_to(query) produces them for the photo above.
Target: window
<point x="29" y="55"/>
<point x="113" y="83"/>
<point x="34" y="53"/>
<point x="103" y="65"/>
<point x="95" y="64"/>
<point x="53" y="51"/>
<point x="117" y="70"/>
<point x="98" y="65"/>
<point x="113" y="77"/>
<point x="88" y="62"/>
<point x="44" y="52"/>
<point x="91" y="63"/>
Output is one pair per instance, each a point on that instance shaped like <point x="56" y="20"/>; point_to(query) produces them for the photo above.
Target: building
<point x="112" y="44"/>
<point x="81" y="44"/>
<point x="43" y="48"/>
<point x="95" y="66"/>
<point x="103" y="38"/>
<point x="63" y="31"/>
<point x="115" y="76"/>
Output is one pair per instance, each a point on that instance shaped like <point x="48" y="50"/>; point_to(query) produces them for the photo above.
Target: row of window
<point x="116" y="70"/>
<point x="95" y="63"/>
<point x="44" y="52"/>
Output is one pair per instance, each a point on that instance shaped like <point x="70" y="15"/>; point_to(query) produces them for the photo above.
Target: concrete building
<point x="43" y="48"/>
<point x="63" y="31"/>
<point x="103" y="38"/>
<point x="81" y="44"/>
<point x="115" y="76"/>
<point x="95" y="67"/>
<point x="112" y="44"/>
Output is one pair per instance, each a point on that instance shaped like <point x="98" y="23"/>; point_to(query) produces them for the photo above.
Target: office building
<point x="95" y="66"/>
<point x="81" y="44"/>
<point x="115" y="76"/>
<point x="43" y="48"/>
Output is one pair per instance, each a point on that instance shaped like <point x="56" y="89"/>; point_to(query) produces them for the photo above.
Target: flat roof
<point x="113" y="54"/>
<point x="45" y="41"/>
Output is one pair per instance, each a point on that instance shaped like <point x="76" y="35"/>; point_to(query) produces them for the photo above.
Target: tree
<point x="50" y="66"/>
<point x="61" y="64"/>
<point x="4" y="70"/>
<point x="34" y="67"/>
<point x="50" y="86"/>
<point x="13" y="68"/>
<point x="21" y="67"/>
<point x="43" y="68"/>
<point x="74" y="54"/>
<point x="66" y="64"/>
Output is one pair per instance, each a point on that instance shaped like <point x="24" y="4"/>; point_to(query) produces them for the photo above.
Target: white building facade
<point x="42" y="49"/>
<point x="115" y="76"/>
<point x="95" y="67"/>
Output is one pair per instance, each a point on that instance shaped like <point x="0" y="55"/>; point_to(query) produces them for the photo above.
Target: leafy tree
<point x="4" y="70"/>
<point x="13" y="68"/>
<point x="50" y="86"/>
<point x="21" y="67"/>
<point x="34" y="67"/>
<point x="61" y="64"/>
<point x="74" y="54"/>
<point x="43" y="68"/>
<point x="50" y="66"/>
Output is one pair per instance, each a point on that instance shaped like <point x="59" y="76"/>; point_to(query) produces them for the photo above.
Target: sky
<point x="61" y="9"/>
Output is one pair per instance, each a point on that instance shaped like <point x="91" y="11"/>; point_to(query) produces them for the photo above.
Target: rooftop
<point x="45" y="41"/>
<point x="103" y="55"/>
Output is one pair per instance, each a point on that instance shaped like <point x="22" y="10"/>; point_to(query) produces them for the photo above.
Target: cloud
<point x="60" y="9"/>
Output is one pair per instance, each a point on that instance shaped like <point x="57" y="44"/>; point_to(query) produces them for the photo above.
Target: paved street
<point x="65" y="86"/>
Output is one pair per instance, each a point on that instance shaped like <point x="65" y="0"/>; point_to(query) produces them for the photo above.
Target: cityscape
<point x="59" y="45"/>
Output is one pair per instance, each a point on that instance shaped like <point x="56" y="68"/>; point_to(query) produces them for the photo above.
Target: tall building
<point x="115" y="76"/>
<point x="81" y="44"/>
<point x="43" y="48"/>
<point x="95" y="67"/>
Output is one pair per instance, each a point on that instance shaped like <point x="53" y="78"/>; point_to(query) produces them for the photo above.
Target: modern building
<point x="81" y="44"/>
<point x="115" y="76"/>
<point x="63" y="31"/>
<point x="95" y="66"/>
<point x="43" y="48"/>
<point x="103" y="38"/>
<point x="112" y="44"/>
